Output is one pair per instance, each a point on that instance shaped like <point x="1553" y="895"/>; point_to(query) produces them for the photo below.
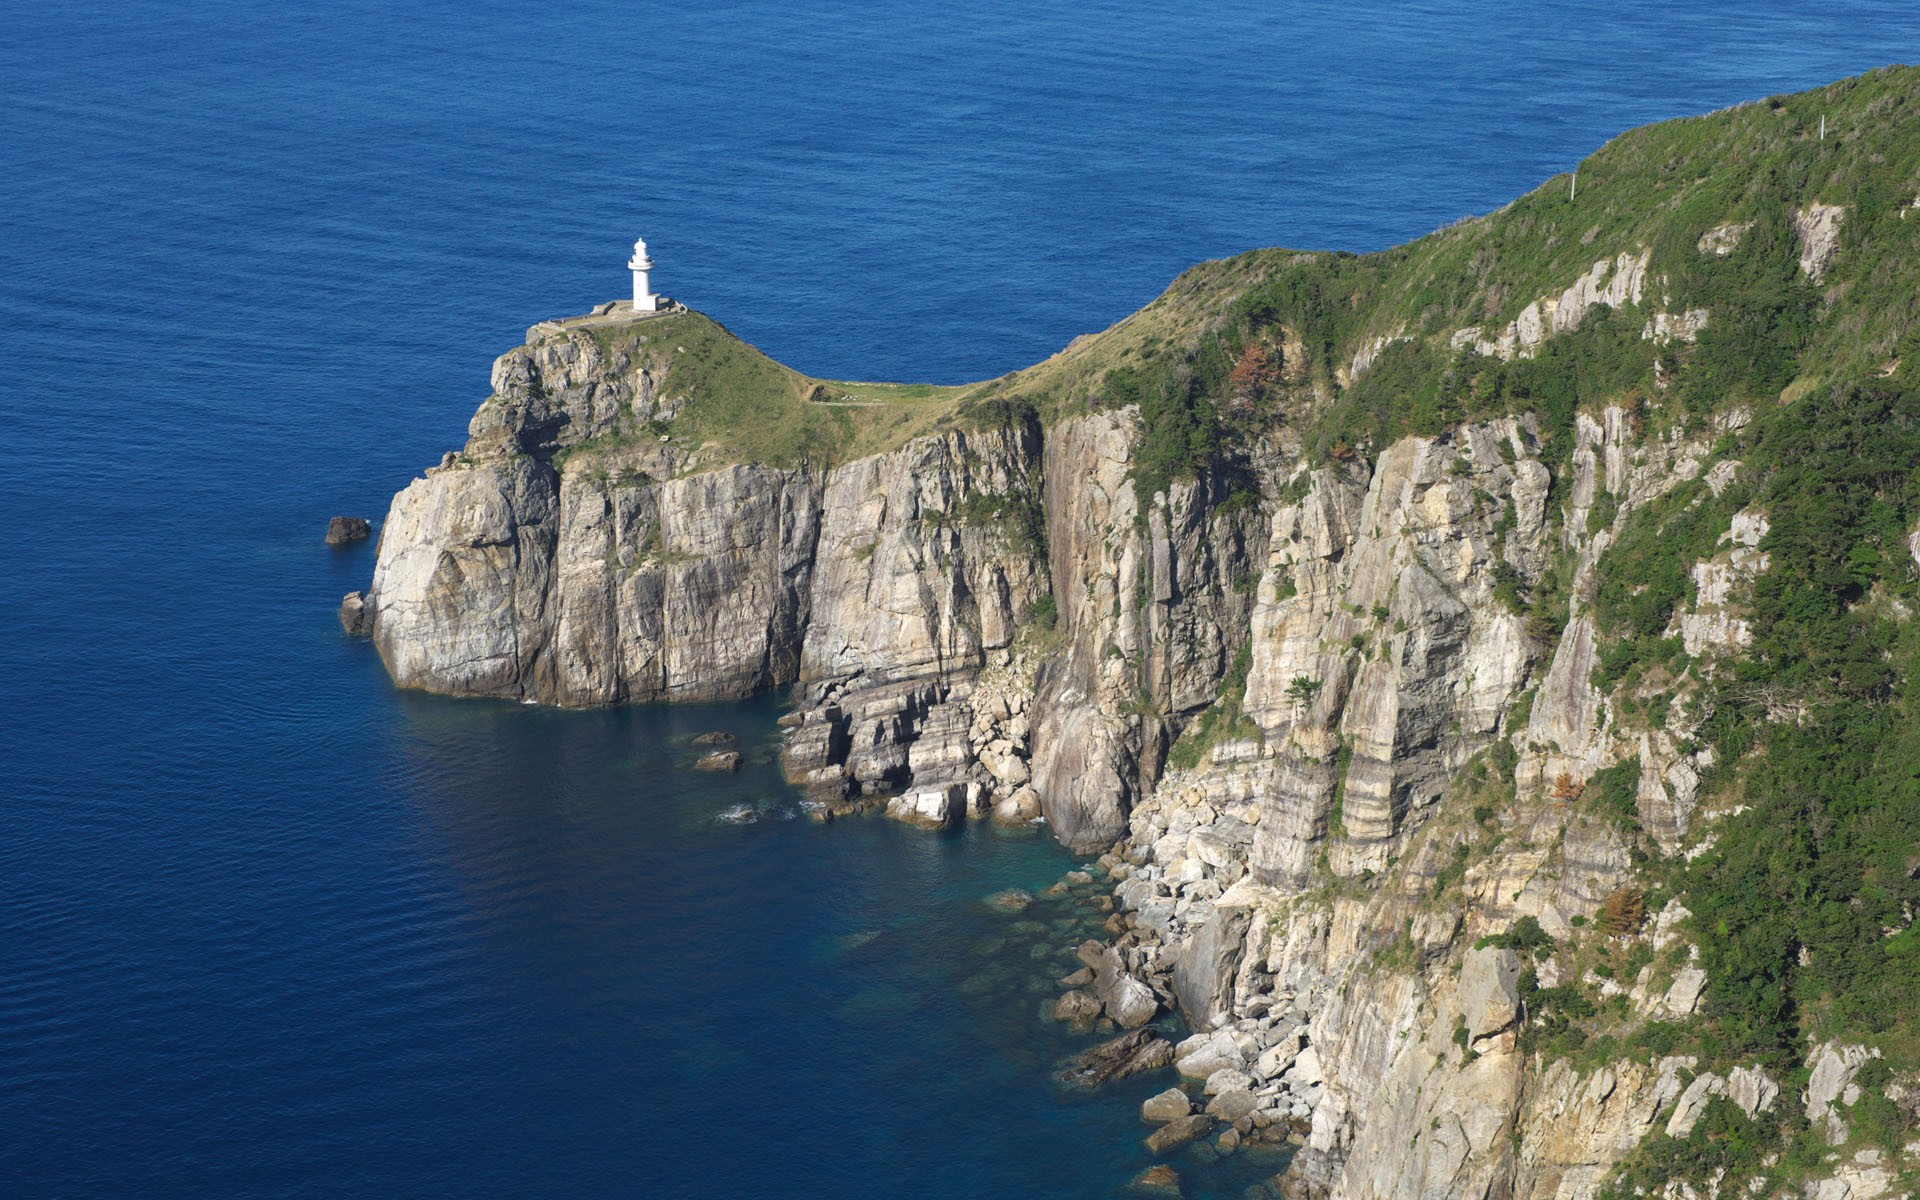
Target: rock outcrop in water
<point x="1373" y="759"/>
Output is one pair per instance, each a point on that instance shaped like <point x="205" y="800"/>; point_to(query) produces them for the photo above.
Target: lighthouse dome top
<point x="639" y="247"/>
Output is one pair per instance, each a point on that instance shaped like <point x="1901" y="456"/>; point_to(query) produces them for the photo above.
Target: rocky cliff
<point x="1398" y="631"/>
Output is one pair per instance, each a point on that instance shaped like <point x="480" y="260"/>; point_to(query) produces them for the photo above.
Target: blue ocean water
<point x="269" y="927"/>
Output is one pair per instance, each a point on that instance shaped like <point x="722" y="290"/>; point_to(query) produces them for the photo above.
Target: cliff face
<point x="1391" y="627"/>
<point x="1327" y="871"/>
<point x="550" y="562"/>
<point x="895" y="593"/>
<point x="500" y="575"/>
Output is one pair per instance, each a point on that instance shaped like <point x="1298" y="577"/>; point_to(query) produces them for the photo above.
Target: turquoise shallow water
<point x="269" y="927"/>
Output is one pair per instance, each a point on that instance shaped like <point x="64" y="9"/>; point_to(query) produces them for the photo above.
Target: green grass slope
<point x="1237" y="346"/>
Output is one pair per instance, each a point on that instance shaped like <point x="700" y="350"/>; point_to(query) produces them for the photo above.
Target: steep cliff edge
<point x="1485" y="664"/>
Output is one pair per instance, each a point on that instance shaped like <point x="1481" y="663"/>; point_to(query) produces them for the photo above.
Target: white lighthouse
<point x="643" y="298"/>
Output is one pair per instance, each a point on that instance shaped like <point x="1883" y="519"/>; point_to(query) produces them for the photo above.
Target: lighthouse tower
<point x="643" y="298"/>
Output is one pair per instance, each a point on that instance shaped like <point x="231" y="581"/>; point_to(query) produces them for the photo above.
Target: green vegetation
<point x="1044" y="614"/>
<point x="1337" y="809"/>
<point x="1301" y="690"/>
<point x="1616" y="793"/>
<point x="1221" y="721"/>
<point x="1802" y="908"/>
<point x="1018" y="514"/>
<point x="1822" y="722"/>
<point x="738" y="405"/>
<point x="1524" y="936"/>
<point x="1658" y="189"/>
<point x="1724" y="1138"/>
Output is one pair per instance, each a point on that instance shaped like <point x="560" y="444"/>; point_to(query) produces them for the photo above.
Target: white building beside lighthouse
<point x="644" y="299"/>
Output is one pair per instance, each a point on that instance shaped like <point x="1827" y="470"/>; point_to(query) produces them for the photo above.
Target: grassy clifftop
<point x="1715" y="213"/>
<point x="735" y="404"/>
<point x="1350" y="349"/>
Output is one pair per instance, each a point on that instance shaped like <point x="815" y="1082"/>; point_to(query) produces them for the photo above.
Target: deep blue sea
<point x="269" y="927"/>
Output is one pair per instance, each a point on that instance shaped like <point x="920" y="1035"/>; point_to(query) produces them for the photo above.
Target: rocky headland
<point x="1311" y="603"/>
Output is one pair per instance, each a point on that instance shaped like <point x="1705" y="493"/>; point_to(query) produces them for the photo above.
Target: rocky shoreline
<point x="1244" y="1091"/>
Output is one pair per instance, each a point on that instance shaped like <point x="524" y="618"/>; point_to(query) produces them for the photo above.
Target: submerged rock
<point x="719" y="760"/>
<point x="1012" y="900"/>
<point x="1175" y="1134"/>
<point x="1160" y="1180"/>
<point x="1128" y="1054"/>
<point x="716" y="738"/>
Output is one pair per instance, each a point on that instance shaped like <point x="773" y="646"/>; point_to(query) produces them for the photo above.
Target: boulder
<point x="717" y="738"/>
<point x="1307" y="1070"/>
<point x="1169" y="1105"/>
<point x="719" y="760"/>
<point x="1078" y="979"/>
<point x="1081" y="1008"/>
<point x="1127" y="1000"/>
<point x="1021" y="808"/>
<point x="1684" y="996"/>
<point x="341" y="530"/>
<point x="1693" y="1104"/>
<point x="1004" y="763"/>
<point x="1203" y="974"/>
<point x="355" y="615"/>
<point x="1831" y="1084"/>
<point x="1202" y="1055"/>
<point x="1489" y="991"/>
<point x="1128" y="1054"/>
<point x="934" y="808"/>
<point x="1752" y="1089"/>
<point x="1275" y="1059"/>
<point x="1081" y="763"/>
<point x="1227" y="1079"/>
<point x="1175" y="1134"/>
<point x="1232" y="1105"/>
